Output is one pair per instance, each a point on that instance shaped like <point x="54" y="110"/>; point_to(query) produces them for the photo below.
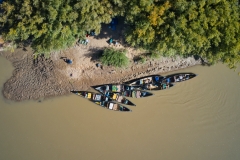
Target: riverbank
<point x="43" y="78"/>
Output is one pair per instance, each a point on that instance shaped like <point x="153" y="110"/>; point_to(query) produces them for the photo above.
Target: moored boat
<point x="179" y="77"/>
<point x="152" y="79"/>
<point x="153" y="82"/>
<point x="101" y="100"/>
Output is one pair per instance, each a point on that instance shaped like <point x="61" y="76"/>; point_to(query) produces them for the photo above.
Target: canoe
<point x="101" y="100"/>
<point x="180" y="77"/>
<point x="122" y="89"/>
<point x="153" y="82"/>
<point x="145" y="80"/>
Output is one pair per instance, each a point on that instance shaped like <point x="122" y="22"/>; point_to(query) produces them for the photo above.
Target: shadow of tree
<point x="117" y="34"/>
<point x="95" y="53"/>
<point x="203" y="62"/>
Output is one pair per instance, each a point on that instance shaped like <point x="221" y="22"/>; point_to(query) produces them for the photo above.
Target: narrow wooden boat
<point x="101" y="100"/>
<point x="178" y="77"/>
<point x="145" y="80"/>
<point x="153" y="82"/>
<point x="122" y="89"/>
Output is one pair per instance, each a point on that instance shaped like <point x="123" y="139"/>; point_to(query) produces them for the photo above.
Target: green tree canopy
<point x="208" y="28"/>
<point x="53" y="24"/>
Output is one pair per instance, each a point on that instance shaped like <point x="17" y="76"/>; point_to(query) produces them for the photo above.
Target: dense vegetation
<point x="53" y="24"/>
<point x="114" y="57"/>
<point x="207" y="28"/>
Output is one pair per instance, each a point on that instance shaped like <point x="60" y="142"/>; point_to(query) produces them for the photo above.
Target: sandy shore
<point x="42" y="78"/>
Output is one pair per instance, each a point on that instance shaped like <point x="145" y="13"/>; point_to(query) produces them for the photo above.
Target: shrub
<point x="114" y="57"/>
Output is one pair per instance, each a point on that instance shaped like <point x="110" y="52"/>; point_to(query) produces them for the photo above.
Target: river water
<point x="195" y="120"/>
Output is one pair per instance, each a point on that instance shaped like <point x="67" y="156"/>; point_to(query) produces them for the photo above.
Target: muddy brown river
<point x="195" y="120"/>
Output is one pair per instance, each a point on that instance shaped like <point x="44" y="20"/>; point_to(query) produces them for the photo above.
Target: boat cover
<point x="138" y="94"/>
<point x="115" y="107"/>
<point x="120" y="98"/>
<point x="111" y="106"/>
<point x="89" y="95"/>
<point x="114" y="96"/>
<point x="107" y="87"/>
<point x="116" y="88"/>
<point x="98" y="97"/>
<point x="133" y="94"/>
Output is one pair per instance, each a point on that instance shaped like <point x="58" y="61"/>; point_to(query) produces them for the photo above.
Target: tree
<point x="209" y="29"/>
